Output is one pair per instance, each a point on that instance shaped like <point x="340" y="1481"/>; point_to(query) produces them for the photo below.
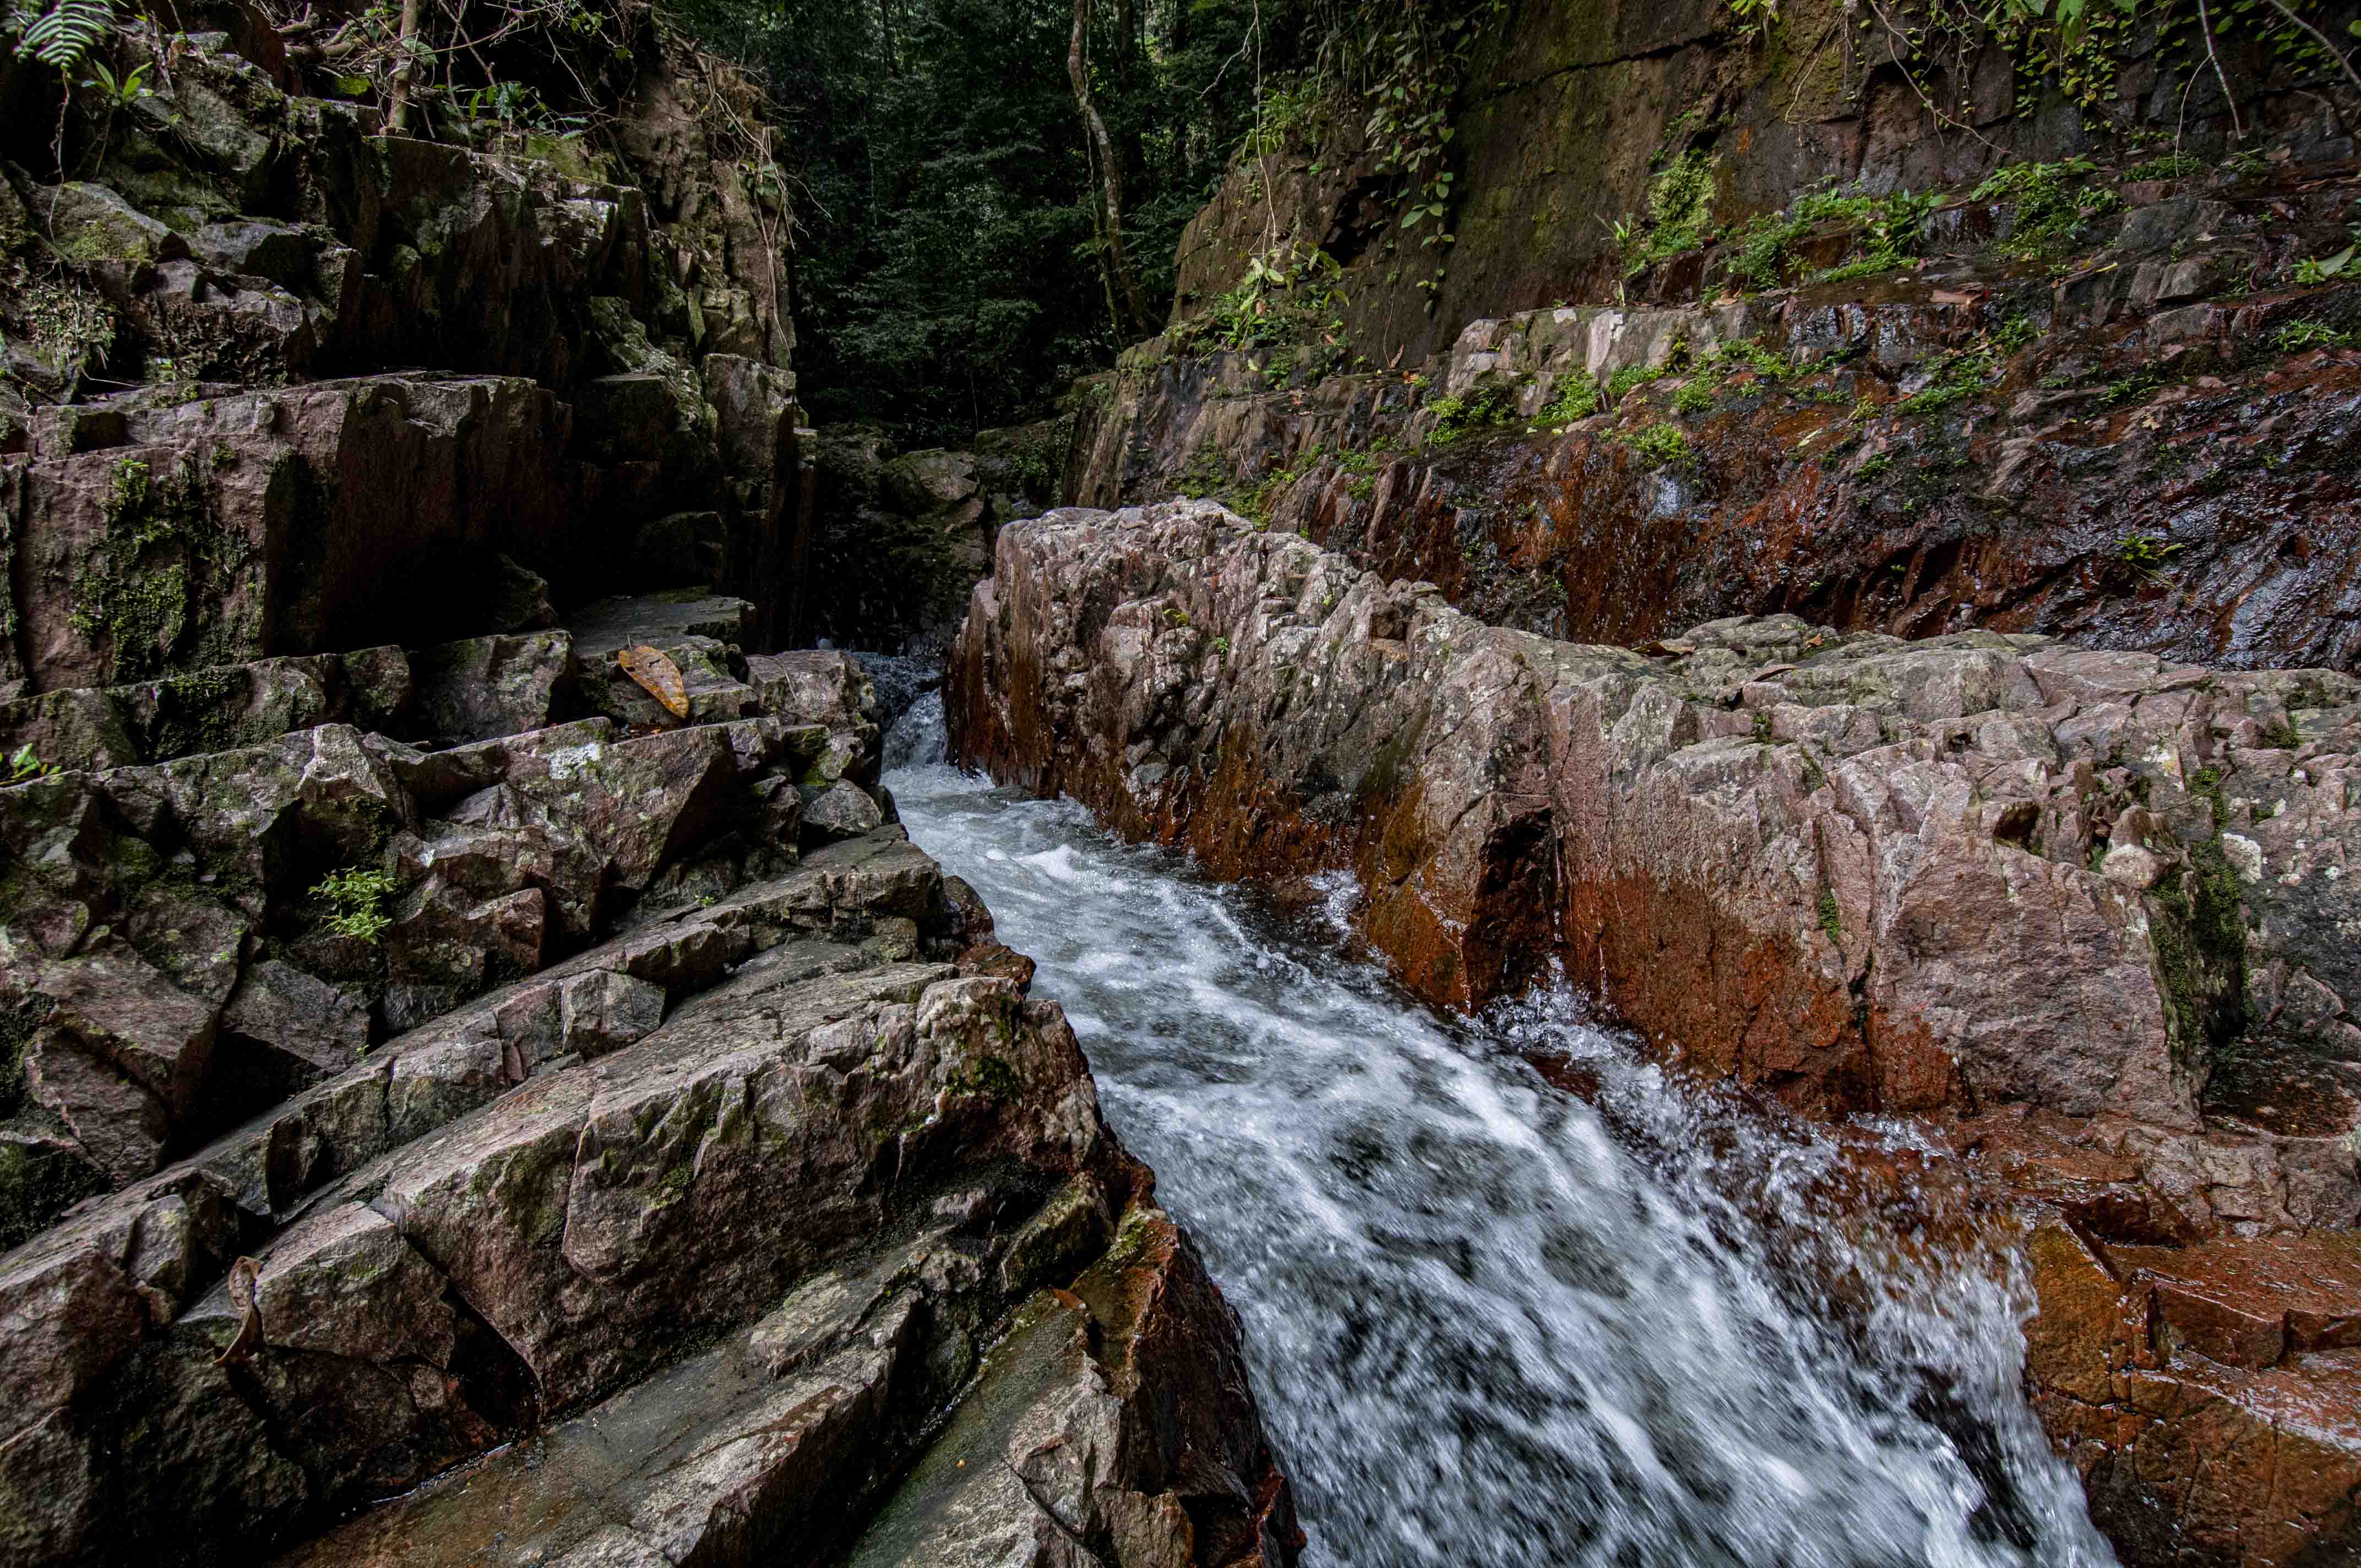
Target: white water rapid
<point x="1492" y="1323"/>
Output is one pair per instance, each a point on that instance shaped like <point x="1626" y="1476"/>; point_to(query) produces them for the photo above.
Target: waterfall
<point x="1496" y="1322"/>
<point x="917" y="739"/>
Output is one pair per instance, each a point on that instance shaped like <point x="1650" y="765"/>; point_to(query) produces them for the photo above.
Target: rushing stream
<point x="1491" y="1322"/>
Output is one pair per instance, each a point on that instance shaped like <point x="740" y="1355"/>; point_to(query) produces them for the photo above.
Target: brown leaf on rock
<point x="244" y="1277"/>
<point x="658" y="675"/>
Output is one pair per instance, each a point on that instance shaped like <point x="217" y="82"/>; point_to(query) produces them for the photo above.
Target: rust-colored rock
<point x="2072" y="905"/>
<point x="2179" y="1383"/>
<point x="2131" y="455"/>
<point x="1817" y="862"/>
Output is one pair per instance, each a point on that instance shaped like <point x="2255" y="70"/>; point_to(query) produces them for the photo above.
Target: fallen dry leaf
<point x="245" y="1274"/>
<point x="658" y="675"/>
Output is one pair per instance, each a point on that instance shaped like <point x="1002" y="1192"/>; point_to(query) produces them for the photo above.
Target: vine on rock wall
<point x="1397" y="67"/>
<point x="2060" y="52"/>
<point x="2077" y="48"/>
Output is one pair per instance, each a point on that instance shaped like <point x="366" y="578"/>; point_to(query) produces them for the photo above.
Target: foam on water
<point x="1492" y="1323"/>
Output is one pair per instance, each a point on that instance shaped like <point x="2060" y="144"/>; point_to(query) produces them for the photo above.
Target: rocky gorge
<point x="1760" y="737"/>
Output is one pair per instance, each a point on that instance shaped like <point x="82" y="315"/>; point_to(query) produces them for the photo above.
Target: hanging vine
<point x="2078" y="48"/>
<point x="1398" y="67"/>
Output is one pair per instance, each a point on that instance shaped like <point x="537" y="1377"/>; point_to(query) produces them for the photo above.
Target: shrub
<point x="1577" y="397"/>
<point x="357" y="899"/>
<point x="2296" y="336"/>
<point x="1457" y="417"/>
<point x="1660" y="444"/>
<point x="1632" y="376"/>
<point x="2053" y="201"/>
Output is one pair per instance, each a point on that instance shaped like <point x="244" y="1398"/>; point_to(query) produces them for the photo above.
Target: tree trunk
<point x="1110" y="173"/>
<point x="1176" y="38"/>
<point x="397" y="109"/>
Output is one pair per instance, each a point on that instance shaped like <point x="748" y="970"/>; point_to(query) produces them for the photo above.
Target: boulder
<point x="923" y="484"/>
<point x="843" y="810"/>
<point x="487" y="686"/>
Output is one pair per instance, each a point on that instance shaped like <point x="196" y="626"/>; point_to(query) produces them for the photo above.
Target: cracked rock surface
<point x="656" y="1156"/>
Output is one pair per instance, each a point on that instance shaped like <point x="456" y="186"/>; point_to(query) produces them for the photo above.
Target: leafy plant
<point x="357" y="899"/>
<point x="24" y="766"/>
<point x="2016" y="330"/>
<point x="1421" y="53"/>
<point x="1455" y="418"/>
<point x="1287" y="296"/>
<point x="1632" y="376"/>
<point x="1695" y="396"/>
<point x="1734" y="353"/>
<point x="2176" y="166"/>
<point x="62" y="35"/>
<point x="1956" y="377"/>
<point x="2314" y="269"/>
<point x="117" y="92"/>
<point x="1660" y="444"/>
<point x="2052" y="200"/>
<point x="1679" y="216"/>
<point x="2297" y="335"/>
<point x="1888" y="227"/>
<point x="1577" y="397"/>
<point x="2146" y="554"/>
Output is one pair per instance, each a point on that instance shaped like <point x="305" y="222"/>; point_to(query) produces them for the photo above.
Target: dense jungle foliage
<point x="951" y="266"/>
<point x="949" y="271"/>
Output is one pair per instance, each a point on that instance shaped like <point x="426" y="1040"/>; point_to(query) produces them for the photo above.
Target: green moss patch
<point x="155" y="591"/>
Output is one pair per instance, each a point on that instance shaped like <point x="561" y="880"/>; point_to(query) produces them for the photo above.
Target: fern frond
<point x="65" y="32"/>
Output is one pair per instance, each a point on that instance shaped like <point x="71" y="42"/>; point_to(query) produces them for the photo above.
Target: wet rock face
<point x="1791" y="851"/>
<point x="2151" y="451"/>
<point x="2211" y="1387"/>
<point x="636" y="1101"/>
<point x="1973" y="876"/>
<point x="901" y="537"/>
<point x="1570" y="115"/>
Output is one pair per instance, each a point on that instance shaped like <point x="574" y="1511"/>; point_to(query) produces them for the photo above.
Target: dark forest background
<point x="950" y="269"/>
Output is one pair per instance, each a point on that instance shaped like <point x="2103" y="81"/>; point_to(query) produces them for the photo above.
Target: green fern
<point x="65" y="32"/>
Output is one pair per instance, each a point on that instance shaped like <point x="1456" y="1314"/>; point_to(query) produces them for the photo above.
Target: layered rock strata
<point x="2085" y="910"/>
<point x="356" y="359"/>
<point x="623" y="1094"/>
<point x="2146" y="444"/>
